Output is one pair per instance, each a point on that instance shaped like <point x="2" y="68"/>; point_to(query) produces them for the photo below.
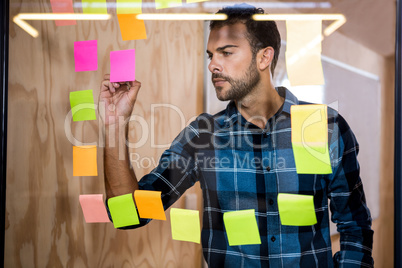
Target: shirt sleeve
<point x="175" y="173"/>
<point x="347" y="200"/>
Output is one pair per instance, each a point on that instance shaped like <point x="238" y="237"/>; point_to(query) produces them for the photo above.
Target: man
<point x="254" y="126"/>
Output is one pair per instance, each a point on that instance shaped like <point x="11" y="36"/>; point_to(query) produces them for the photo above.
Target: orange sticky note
<point x="149" y="204"/>
<point x="84" y="161"/>
<point x="131" y="28"/>
<point x="93" y="208"/>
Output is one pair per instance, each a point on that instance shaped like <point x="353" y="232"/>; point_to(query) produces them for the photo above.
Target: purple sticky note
<point x="93" y="208"/>
<point x="86" y="55"/>
<point x="122" y="65"/>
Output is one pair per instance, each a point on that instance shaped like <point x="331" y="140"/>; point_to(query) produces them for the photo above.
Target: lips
<point x="218" y="81"/>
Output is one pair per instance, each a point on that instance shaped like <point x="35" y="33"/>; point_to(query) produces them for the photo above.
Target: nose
<point x="214" y="66"/>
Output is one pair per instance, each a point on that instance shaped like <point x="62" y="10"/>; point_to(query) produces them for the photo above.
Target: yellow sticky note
<point x="185" y="224"/>
<point x="241" y="227"/>
<point x="123" y="211"/>
<point x="128" y="6"/>
<point x="303" y="52"/>
<point x="131" y="28"/>
<point x="94" y="7"/>
<point x="303" y="34"/>
<point x="149" y="204"/>
<point x="310" y="139"/>
<point x="296" y="210"/>
<point x="159" y="4"/>
<point x="84" y="161"/>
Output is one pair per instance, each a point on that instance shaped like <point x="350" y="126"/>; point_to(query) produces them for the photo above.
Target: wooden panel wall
<point x="45" y="226"/>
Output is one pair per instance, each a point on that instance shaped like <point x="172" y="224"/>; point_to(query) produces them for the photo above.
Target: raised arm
<point x="116" y="102"/>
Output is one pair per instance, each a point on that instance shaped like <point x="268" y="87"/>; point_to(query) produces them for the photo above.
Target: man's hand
<point x="118" y="99"/>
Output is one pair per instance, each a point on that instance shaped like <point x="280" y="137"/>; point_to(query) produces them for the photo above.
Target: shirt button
<point x="271" y="202"/>
<point x="268" y="168"/>
<point x="273" y="238"/>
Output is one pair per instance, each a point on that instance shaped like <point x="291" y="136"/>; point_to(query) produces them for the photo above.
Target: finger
<point x="108" y="86"/>
<point x="133" y="92"/>
<point x="106" y="77"/>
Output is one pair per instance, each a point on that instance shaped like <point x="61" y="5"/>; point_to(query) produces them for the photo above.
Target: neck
<point x="260" y="105"/>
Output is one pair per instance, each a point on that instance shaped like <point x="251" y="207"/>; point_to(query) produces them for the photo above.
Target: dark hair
<point x="260" y="34"/>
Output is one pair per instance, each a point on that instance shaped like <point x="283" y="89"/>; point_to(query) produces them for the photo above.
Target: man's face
<point x="233" y="67"/>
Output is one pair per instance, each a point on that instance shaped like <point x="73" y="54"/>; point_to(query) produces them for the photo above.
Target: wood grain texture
<point x="46" y="227"/>
<point x="44" y="222"/>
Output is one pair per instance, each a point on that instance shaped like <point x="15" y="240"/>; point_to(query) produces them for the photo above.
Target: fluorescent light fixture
<point x="26" y="27"/>
<point x="172" y="16"/>
<point x="338" y="18"/>
<point x="272" y="5"/>
<point x="21" y="18"/>
<point x="63" y="16"/>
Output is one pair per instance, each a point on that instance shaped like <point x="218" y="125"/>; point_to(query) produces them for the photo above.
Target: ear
<point x="265" y="57"/>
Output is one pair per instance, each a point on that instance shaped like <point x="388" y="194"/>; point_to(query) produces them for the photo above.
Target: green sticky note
<point x="159" y="4"/>
<point x="310" y="139"/>
<point x="123" y="211"/>
<point x="241" y="227"/>
<point x="185" y="224"/>
<point x="94" y="7"/>
<point x="296" y="210"/>
<point x="312" y="159"/>
<point x="82" y="105"/>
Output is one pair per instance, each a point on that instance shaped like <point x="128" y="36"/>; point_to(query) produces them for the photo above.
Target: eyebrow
<point x="222" y="48"/>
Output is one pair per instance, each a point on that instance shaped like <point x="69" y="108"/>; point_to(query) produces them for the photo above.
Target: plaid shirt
<point x="240" y="166"/>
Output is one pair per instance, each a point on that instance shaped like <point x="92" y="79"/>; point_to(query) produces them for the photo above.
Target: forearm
<point x="119" y="177"/>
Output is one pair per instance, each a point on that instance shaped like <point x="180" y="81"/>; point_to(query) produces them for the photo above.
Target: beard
<point x="239" y="87"/>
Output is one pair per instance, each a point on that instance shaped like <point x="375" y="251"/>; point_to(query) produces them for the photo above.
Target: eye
<point x="209" y="56"/>
<point x="225" y="53"/>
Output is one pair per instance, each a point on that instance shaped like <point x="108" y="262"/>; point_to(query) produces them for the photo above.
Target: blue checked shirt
<point x="240" y="166"/>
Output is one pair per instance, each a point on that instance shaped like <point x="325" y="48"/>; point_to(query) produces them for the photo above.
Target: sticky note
<point x="185" y="224"/>
<point x="303" y="52"/>
<point x="94" y="7"/>
<point x="128" y="6"/>
<point x="303" y="34"/>
<point x="84" y="161"/>
<point x="86" y="55"/>
<point x="123" y="211"/>
<point x="82" y="105"/>
<point x="310" y="139"/>
<point x="122" y="65"/>
<point x="63" y="6"/>
<point x="149" y="204"/>
<point x="241" y="227"/>
<point x="159" y="4"/>
<point x="296" y="210"/>
<point x="93" y="208"/>
<point x="131" y="28"/>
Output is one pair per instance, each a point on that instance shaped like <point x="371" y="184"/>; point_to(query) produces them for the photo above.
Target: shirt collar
<point x="232" y="115"/>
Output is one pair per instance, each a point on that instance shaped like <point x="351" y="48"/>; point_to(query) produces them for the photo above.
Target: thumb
<point x="133" y="92"/>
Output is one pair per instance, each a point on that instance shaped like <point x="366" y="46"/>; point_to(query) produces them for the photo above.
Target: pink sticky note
<point x="93" y="208"/>
<point x="86" y="55"/>
<point x="122" y="65"/>
<point x="63" y="6"/>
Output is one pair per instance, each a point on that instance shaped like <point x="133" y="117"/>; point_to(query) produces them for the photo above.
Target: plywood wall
<point x="44" y="223"/>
